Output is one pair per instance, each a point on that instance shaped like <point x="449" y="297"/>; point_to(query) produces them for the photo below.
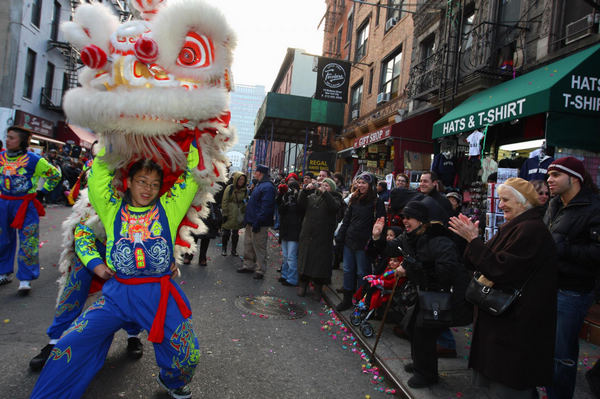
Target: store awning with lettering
<point x="568" y="86"/>
<point x="289" y="117"/>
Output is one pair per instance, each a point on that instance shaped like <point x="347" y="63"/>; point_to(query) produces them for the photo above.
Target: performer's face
<point x="13" y="140"/>
<point x="144" y="187"/>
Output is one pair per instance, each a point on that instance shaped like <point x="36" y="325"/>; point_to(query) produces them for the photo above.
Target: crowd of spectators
<point x="548" y="248"/>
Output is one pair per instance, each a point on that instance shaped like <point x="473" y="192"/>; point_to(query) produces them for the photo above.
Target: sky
<point x="265" y="29"/>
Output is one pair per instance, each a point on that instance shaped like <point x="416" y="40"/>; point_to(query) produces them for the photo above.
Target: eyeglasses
<point x="144" y="184"/>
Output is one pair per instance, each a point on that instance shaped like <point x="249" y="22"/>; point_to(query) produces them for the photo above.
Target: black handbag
<point x="435" y="308"/>
<point x="489" y="299"/>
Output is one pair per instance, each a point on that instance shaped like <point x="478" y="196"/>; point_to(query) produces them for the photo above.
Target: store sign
<point x="320" y="161"/>
<point x="374" y="137"/>
<point x="500" y="113"/>
<point x="581" y="94"/>
<point x="333" y="77"/>
<point x="34" y="123"/>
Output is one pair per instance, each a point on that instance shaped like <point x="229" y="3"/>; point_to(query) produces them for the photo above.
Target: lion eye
<point x="198" y="51"/>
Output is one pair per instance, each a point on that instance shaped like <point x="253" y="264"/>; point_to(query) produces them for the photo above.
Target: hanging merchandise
<point x="474" y="140"/>
<point x="443" y="166"/>
<point x="536" y="167"/>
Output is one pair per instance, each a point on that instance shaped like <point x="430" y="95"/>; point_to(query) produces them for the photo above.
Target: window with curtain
<point x="355" y="99"/>
<point x="391" y="68"/>
<point x="29" y="73"/>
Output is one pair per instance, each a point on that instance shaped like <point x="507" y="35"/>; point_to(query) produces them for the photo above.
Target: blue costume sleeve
<point x="85" y="247"/>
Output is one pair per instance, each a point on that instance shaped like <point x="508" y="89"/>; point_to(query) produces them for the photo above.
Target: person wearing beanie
<point x="456" y="202"/>
<point x="433" y="265"/>
<point x="330" y="183"/>
<point x="363" y="209"/>
<point x="573" y="218"/>
<point x="521" y="255"/>
<point x="315" y="250"/>
<point x="291" y="176"/>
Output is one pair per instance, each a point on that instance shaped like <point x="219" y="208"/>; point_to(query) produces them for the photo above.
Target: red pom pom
<point x="146" y="50"/>
<point x="93" y="56"/>
<point x="282" y="188"/>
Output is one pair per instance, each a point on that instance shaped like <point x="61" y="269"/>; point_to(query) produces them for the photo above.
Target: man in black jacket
<point x="573" y="218"/>
<point x="427" y="187"/>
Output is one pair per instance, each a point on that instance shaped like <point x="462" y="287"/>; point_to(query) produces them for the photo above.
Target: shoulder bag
<point x="489" y="299"/>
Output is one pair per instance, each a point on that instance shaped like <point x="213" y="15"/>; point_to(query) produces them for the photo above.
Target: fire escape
<point x="468" y="57"/>
<point x="335" y="10"/>
<point x="52" y="99"/>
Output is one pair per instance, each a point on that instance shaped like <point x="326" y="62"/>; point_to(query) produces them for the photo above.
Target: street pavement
<point x="243" y="355"/>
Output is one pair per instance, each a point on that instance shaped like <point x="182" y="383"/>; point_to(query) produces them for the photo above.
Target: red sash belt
<point x="22" y="211"/>
<point x="156" y="333"/>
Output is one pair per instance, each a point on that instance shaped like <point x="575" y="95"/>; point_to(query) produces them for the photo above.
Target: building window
<point x="49" y="78"/>
<point x="55" y="21"/>
<point x="467" y="39"/>
<point x="355" y="99"/>
<point x="349" y="27"/>
<point x="377" y="12"/>
<point x="394" y="13"/>
<point x="36" y="12"/>
<point x="390" y="73"/>
<point x="338" y="47"/>
<point x="29" y="73"/>
<point x="362" y="36"/>
<point x="370" y="80"/>
<point x="427" y="50"/>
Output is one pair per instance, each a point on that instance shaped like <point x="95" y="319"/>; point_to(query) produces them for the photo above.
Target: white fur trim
<point x="117" y="110"/>
<point x="99" y="22"/>
<point x="172" y="24"/>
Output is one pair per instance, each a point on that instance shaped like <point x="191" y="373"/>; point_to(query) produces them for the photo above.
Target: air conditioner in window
<point x="581" y="28"/>
<point x="383" y="97"/>
<point x="390" y="23"/>
<point x="354" y="114"/>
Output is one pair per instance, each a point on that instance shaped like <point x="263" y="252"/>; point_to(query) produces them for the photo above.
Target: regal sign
<point x="374" y="137"/>
<point x="333" y="77"/>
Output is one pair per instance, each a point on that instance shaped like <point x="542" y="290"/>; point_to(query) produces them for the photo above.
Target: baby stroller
<point x="370" y="299"/>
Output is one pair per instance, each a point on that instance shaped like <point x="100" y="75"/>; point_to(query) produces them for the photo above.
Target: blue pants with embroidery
<point x="28" y="251"/>
<point x="72" y="300"/>
<point x="81" y="351"/>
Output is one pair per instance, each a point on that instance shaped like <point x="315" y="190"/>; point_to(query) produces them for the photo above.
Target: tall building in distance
<point x="245" y="102"/>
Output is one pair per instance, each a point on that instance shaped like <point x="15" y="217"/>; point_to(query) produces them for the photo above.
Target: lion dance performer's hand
<point x="103" y="271"/>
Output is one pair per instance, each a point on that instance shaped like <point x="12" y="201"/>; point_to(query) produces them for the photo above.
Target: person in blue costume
<point x="20" y="210"/>
<point x="84" y="249"/>
<point x="141" y="229"/>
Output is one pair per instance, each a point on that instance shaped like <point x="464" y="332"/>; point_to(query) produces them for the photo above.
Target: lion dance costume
<point x="155" y="88"/>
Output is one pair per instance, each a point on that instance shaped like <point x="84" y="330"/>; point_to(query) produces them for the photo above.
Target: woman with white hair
<point x="521" y="255"/>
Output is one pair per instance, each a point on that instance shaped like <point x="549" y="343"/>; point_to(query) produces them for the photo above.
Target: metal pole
<point x="266" y="147"/>
<point x="296" y="157"/>
<point x="387" y="308"/>
<point x="304" y="156"/>
<point x="271" y="148"/>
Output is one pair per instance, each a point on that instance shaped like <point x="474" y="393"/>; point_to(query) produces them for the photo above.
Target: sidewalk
<point x="455" y="382"/>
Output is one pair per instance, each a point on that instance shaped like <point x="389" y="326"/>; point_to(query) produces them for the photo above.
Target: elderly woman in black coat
<point x="431" y="262"/>
<point x="513" y="352"/>
<point x="315" y="252"/>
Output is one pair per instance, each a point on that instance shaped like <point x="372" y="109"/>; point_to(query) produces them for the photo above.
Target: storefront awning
<point x="345" y="153"/>
<point x="48" y="139"/>
<point x="373" y="137"/>
<point x="290" y="116"/>
<point x="570" y="86"/>
<point x="86" y="137"/>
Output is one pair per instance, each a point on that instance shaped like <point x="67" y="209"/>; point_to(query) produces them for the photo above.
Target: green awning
<point x="571" y="86"/>
<point x="291" y="115"/>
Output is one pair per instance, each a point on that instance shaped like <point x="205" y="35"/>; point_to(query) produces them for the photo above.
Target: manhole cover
<point x="270" y="306"/>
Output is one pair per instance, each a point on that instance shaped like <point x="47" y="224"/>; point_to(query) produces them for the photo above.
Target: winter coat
<point x="576" y="232"/>
<point x="290" y="215"/>
<point x="261" y="205"/>
<point x="526" y="330"/>
<point x="315" y="249"/>
<point x="212" y="221"/>
<point x="233" y="204"/>
<point x="435" y="265"/>
<point x="357" y="225"/>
